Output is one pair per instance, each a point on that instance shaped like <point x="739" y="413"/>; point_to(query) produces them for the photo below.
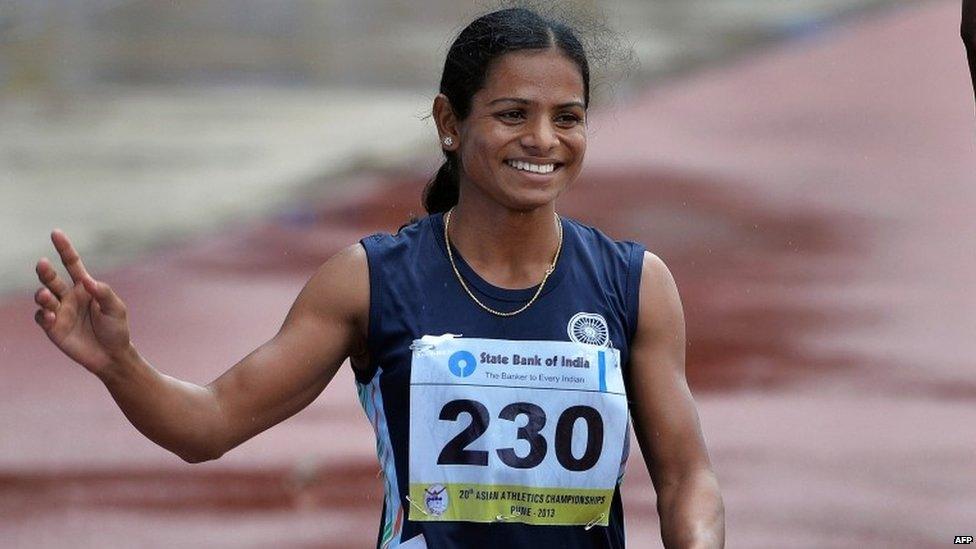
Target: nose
<point x="540" y="136"/>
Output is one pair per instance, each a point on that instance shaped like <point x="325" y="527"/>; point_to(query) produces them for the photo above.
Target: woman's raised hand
<point x="83" y="318"/>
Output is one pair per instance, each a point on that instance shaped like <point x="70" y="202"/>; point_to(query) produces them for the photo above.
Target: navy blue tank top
<point x="414" y="292"/>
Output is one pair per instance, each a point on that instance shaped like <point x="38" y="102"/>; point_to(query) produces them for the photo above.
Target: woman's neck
<point x="508" y="248"/>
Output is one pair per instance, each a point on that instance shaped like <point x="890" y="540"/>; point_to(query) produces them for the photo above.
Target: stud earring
<point x="448" y="141"/>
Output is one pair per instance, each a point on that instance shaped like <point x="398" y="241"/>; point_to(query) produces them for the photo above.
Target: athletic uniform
<point x="507" y="431"/>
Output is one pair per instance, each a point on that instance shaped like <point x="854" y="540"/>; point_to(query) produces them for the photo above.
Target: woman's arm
<point x="666" y="420"/>
<point x="88" y="322"/>
<point x="326" y="324"/>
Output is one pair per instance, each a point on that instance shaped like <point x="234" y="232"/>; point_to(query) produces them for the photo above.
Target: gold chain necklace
<point x="552" y="267"/>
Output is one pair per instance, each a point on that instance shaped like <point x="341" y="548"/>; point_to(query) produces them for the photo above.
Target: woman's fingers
<point x="70" y="257"/>
<point x="46" y="299"/>
<point x="44" y="318"/>
<point x="49" y="277"/>
<point x="108" y="302"/>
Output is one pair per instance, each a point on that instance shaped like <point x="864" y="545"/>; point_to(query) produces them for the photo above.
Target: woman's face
<point x="524" y="139"/>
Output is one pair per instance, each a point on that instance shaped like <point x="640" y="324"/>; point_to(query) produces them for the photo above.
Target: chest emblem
<point x="589" y="328"/>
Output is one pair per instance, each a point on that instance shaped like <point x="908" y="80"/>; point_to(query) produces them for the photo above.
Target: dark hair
<point x="483" y="41"/>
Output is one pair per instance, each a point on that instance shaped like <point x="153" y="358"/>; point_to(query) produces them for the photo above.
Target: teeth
<point x="534" y="168"/>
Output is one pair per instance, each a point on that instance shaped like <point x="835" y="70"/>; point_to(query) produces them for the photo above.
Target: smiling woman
<point x="492" y="97"/>
<point x="517" y="433"/>
<point x="511" y="116"/>
<point x="524" y="138"/>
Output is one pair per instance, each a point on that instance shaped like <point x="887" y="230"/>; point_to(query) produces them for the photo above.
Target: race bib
<point x="519" y="431"/>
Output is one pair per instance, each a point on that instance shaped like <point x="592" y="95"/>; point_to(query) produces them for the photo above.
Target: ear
<point x="447" y="123"/>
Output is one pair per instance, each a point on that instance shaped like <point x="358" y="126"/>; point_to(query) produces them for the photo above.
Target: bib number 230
<point x="455" y="452"/>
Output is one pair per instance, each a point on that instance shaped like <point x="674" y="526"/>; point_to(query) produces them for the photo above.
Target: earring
<point x="448" y="141"/>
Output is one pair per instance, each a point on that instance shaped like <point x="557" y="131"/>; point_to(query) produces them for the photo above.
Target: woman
<point x="496" y="345"/>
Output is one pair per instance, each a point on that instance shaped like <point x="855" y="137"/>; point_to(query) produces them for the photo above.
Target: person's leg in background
<point x="969" y="35"/>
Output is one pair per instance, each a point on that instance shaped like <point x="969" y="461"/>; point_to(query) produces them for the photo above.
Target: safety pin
<point x="593" y="522"/>
<point x="503" y="518"/>
<point x="419" y="508"/>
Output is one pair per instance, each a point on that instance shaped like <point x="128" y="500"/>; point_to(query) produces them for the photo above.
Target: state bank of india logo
<point x="589" y="328"/>
<point x="462" y="363"/>
<point x="435" y="498"/>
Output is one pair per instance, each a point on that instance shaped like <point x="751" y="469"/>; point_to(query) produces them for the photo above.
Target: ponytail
<point x="441" y="193"/>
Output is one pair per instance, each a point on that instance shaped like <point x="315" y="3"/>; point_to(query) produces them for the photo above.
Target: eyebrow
<point x="523" y="101"/>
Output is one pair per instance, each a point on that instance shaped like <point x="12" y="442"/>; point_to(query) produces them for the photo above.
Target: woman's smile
<point x="539" y="171"/>
<point x="530" y="118"/>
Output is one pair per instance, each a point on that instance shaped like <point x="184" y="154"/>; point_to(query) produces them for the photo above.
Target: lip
<point x="532" y="160"/>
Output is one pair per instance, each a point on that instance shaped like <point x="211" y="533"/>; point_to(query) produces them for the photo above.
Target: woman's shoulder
<point x="402" y="259"/>
<point x="409" y="232"/>
<point x="344" y="277"/>
<point x="336" y="296"/>
<point x="595" y="239"/>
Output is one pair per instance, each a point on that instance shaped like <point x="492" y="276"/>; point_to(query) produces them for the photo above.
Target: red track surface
<point x="815" y="204"/>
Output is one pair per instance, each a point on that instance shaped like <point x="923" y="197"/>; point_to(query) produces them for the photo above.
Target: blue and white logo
<point x="435" y="498"/>
<point x="589" y="328"/>
<point x="462" y="363"/>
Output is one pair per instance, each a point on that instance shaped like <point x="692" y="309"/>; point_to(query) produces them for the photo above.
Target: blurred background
<point x="188" y="115"/>
<point x="805" y="168"/>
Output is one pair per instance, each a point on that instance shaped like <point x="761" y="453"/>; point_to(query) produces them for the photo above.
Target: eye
<point x="568" y="120"/>
<point x="511" y="115"/>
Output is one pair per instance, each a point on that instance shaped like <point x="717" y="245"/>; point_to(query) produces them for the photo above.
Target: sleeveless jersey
<point x="508" y="431"/>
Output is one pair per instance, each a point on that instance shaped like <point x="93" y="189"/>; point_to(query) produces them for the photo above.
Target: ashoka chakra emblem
<point x="589" y="328"/>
